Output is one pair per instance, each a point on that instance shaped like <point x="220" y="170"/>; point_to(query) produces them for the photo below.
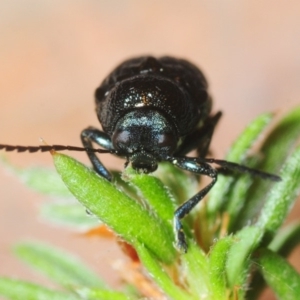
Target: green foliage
<point x="279" y="274"/>
<point x="62" y="268"/>
<point x="19" y="290"/>
<point x="236" y="246"/>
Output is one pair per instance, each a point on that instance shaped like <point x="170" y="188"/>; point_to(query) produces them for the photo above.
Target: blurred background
<point x="53" y="54"/>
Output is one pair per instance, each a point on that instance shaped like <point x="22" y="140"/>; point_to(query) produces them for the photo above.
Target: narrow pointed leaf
<point x="272" y="216"/>
<point x="20" y="290"/>
<point x="58" y="265"/>
<point x="246" y="241"/>
<point x="217" y="267"/>
<point x="280" y="275"/>
<point x="69" y="213"/>
<point x="286" y="239"/>
<point x="96" y="294"/>
<point x="156" y="194"/>
<point x="160" y="277"/>
<point x="237" y="153"/>
<point x="236" y="200"/>
<point x="283" y="244"/>
<point x="282" y="197"/>
<point x="41" y="179"/>
<point x="195" y="267"/>
<point x="278" y="146"/>
<point x="121" y="213"/>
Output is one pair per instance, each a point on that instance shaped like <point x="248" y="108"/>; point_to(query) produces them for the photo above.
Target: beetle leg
<point x="201" y="138"/>
<point x="90" y="135"/>
<point x="191" y="165"/>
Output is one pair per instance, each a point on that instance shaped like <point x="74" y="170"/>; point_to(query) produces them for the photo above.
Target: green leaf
<point x="281" y="198"/>
<point x="246" y="241"/>
<point x="217" y="267"/>
<point x="283" y="243"/>
<point x="160" y="276"/>
<point x="156" y="194"/>
<point x="238" y="152"/>
<point x="195" y="270"/>
<point x="236" y="200"/>
<point x="273" y="214"/>
<point x="59" y="266"/>
<point x="286" y="239"/>
<point x="279" y="274"/>
<point x="278" y="146"/>
<point x="123" y="185"/>
<point x="20" y="290"/>
<point x="41" y="179"/>
<point x="69" y="213"/>
<point x="96" y="294"/>
<point x="285" y="136"/>
<point x="117" y="210"/>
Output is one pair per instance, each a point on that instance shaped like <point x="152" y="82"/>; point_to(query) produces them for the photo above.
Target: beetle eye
<point x="166" y="140"/>
<point x="121" y="139"/>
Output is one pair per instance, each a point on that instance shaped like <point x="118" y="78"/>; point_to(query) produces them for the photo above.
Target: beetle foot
<point x="181" y="242"/>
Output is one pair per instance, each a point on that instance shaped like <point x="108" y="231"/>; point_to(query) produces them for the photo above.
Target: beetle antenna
<point x="243" y="169"/>
<point x="45" y="148"/>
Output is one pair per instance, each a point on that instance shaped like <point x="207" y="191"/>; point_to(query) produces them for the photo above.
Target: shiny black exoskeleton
<point x="154" y="110"/>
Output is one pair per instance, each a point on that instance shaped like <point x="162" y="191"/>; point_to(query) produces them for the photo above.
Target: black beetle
<point x="154" y="110"/>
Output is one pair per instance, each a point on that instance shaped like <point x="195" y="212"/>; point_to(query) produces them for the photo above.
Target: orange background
<point x="53" y="54"/>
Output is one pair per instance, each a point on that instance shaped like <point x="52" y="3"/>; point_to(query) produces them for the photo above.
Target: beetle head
<point x="145" y="136"/>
